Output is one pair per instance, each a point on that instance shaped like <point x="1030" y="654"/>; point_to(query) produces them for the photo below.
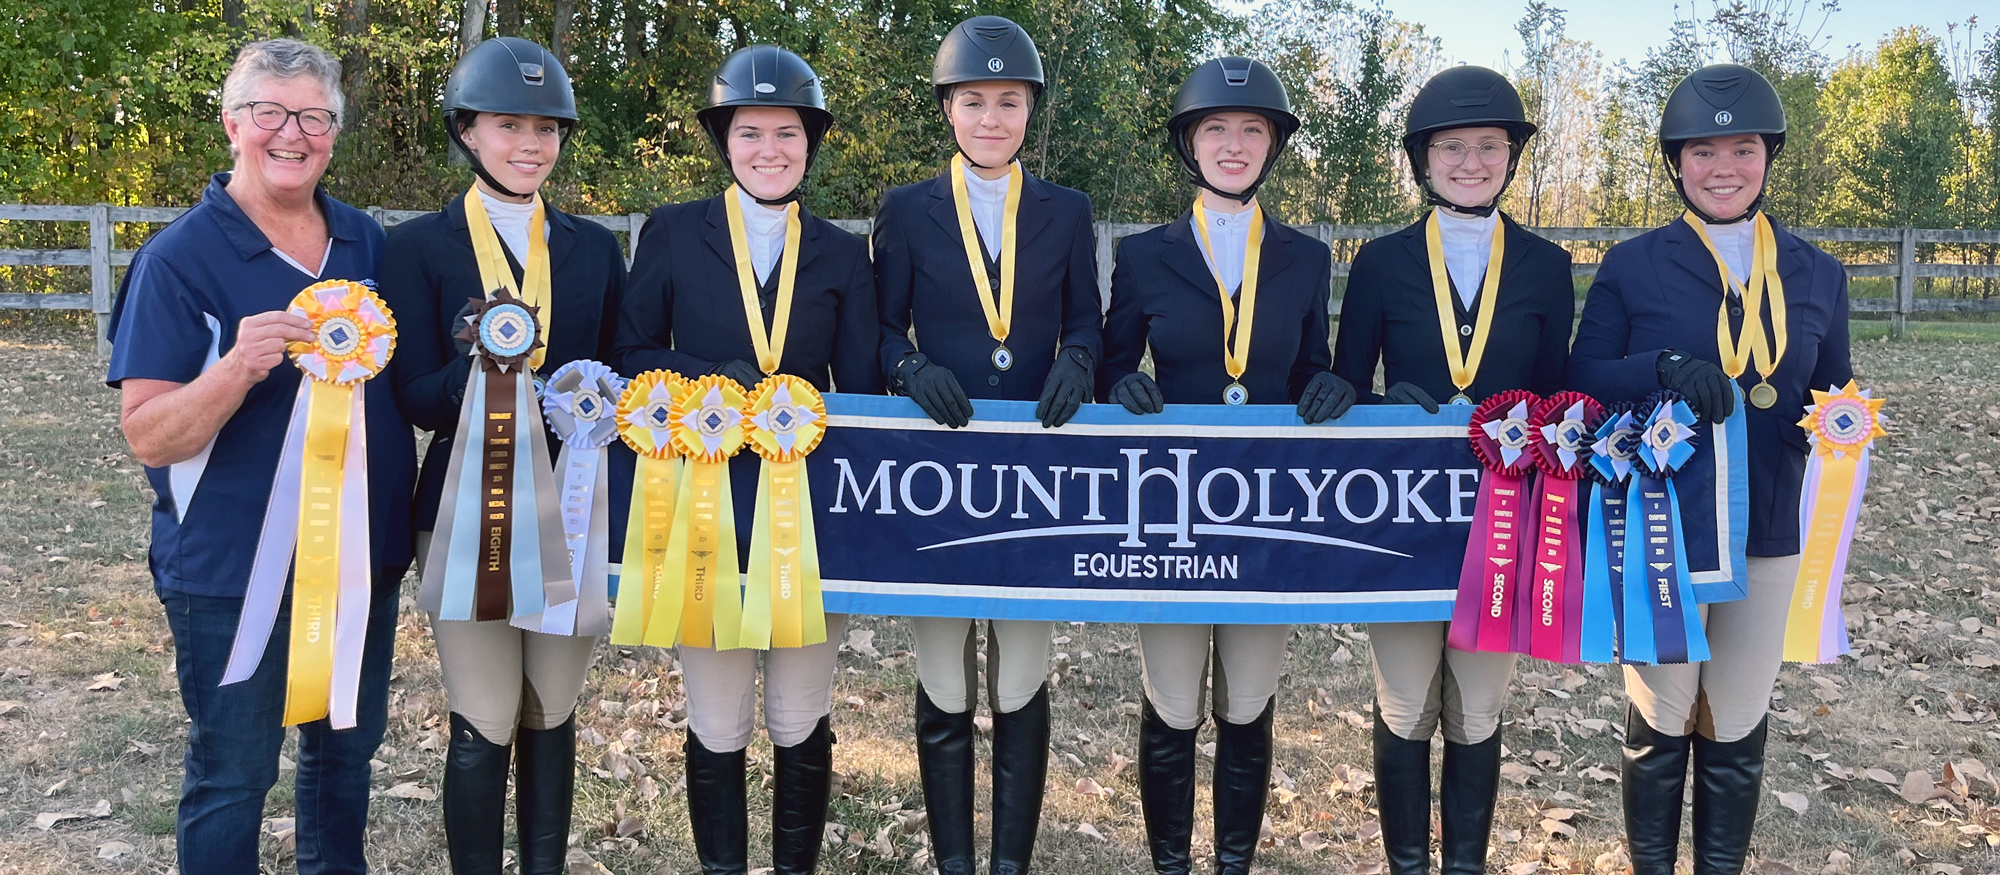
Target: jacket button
<point x="993" y="380"/>
<point x="1465" y="331"/>
<point x="1736" y="310"/>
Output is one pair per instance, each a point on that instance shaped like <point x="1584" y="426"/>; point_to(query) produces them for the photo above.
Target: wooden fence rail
<point x="102" y="258"/>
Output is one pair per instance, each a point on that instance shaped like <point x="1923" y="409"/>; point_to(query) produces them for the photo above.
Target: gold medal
<point x="1003" y="358"/>
<point x="999" y="318"/>
<point x="1462" y="399"/>
<point x="1464" y="365"/>
<point x="1236" y="358"/>
<point x="1763" y="395"/>
<point x="1740" y="350"/>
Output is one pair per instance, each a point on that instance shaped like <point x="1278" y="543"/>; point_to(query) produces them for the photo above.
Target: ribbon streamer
<point x="1842" y="424"/>
<point x="580" y="406"/>
<point x="317" y="521"/>
<point x="1612" y="456"/>
<point x="700" y="598"/>
<point x="1482" y="615"/>
<point x="644" y="417"/>
<point x="499" y="553"/>
<point x="1662" y="625"/>
<point x="782" y="603"/>
<point x="1552" y="603"/>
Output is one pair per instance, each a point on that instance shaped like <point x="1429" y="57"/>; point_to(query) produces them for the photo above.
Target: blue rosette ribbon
<point x="1613" y="453"/>
<point x="1661" y="624"/>
<point x="580" y="405"/>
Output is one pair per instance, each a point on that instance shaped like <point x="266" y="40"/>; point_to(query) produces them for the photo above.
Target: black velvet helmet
<point x="765" y="76"/>
<point x="1721" y="100"/>
<point x="982" y="48"/>
<point x="1464" y="97"/>
<point x="1231" y="85"/>
<point x="507" y="75"/>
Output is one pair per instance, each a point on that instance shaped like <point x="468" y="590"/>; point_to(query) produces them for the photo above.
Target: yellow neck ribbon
<point x="782" y="605"/>
<point x="644" y="416"/>
<point x="1740" y="351"/>
<point x="493" y="270"/>
<point x="1235" y="332"/>
<point x="771" y="349"/>
<point x="700" y="599"/>
<point x="998" y="319"/>
<point x="1464" y="364"/>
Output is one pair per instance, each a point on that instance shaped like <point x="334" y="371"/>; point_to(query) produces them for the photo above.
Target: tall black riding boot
<point x="1466" y="793"/>
<point x="1727" y="778"/>
<point x="1166" y="791"/>
<point x="944" y="763"/>
<point x="1020" y="774"/>
<point x="544" y="786"/>
<point x="1655" y="777"/>
<point x="475" y="800"/>
<point x="802" y="778"/>
<point x="1403" y="796"/>
<point x="1242" y="779"/>
<point x="718" y="809"/>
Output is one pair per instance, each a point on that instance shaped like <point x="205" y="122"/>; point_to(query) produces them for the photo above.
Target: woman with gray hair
<point x="200" y="330"/>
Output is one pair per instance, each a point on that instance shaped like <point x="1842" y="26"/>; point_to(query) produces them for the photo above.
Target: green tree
<point x="1896" y="133"/>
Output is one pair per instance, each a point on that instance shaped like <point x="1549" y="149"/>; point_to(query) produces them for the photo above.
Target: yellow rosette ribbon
<point x="785" y="420"/>
<point x="1842" y="424"/>
<point x="645" y="417"/>
<point x="316" y="524"/>
<point x="699" y="602"/>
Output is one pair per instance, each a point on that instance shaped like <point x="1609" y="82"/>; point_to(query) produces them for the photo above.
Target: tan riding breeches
<point x="1175" y="658"/>
<point x="500" y="677"/>
<point x="1017" y="661"/>
<point x="1727" y="696"/>
<point x="1420" y="683"/>
<point x="721" y="688"/>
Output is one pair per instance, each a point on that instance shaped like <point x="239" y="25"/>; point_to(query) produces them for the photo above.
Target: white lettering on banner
<point x="847" y="480"/>
<point x="962" y="491"/>
<point x="1134" y="565"/>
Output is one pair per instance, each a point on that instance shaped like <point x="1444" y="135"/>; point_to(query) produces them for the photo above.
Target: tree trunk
<point x="471" y="25"/>
<point x="354" y="61"/>
<point x="232" y="13"/>
<point x="509" y="14"/>
<point x="565" y="15"/>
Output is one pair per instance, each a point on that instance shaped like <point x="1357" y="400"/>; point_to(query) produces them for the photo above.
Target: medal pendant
<point x="1763" y="396"/>
<point x="1235" y="395"/>
<point x="1462" y="399"/>
<point x="1003" y="358"/>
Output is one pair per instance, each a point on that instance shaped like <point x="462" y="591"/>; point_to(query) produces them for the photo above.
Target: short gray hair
<point x="282" y="59"/>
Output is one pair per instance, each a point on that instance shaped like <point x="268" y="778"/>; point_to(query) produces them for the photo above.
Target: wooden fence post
<point x="1107" y="254"/>
<point x="1906" y="285"/>
<point x="100" y="274"/>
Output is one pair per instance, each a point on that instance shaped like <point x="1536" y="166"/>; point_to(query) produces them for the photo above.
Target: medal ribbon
<point x="782" y="605"/>
<point x="316" y="524"/>
<point x="1842" y="426"/>
<point x="1739" y="351"/>
<point x="643" y="418"/>
<point x="1464" y="365"/>
<point x="771" y="349"/>
<point x="495" y="274"/>
<point x="1483" y="613"/>
<point x="1236" y="359"/>
<point x="998" y="320"/>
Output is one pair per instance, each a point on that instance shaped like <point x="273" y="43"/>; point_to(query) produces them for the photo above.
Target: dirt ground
<point x="1876" y="764"/>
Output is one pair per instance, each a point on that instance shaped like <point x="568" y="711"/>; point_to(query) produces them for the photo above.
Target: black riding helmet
<point x="1721" y="100"/>
<point x="765" y="76"/>
<point x="509" y="75"/>
<point x="983" y="48"/>
<point x="1464" y="97"/>
<point x="1231" y="85"/>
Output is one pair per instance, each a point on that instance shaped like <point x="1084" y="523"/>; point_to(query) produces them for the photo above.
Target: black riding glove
<point x="1138" y="394"/>
<point x="934" y="388"/>
<point x="1067" y="387"/>
<point x="1326" y="397"/>
<point x="744" y="373"/>
<point x="1701" y="382"/>
<point x="1410" y="393"/>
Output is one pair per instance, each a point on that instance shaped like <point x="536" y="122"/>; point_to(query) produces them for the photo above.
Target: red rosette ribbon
<point x="1483" y="614"/>
<point x="1549" y="613"/>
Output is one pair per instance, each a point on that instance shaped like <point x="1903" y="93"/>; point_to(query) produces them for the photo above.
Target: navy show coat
<point x="1660" y="291"/>
<point x="1164" y="296"/>
<point x="922" y="279"/>
<point x="429" y="271"/>
<point x="1390" y="315"/>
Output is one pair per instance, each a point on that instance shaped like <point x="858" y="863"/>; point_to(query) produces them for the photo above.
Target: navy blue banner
<point x="1201" y="514"/>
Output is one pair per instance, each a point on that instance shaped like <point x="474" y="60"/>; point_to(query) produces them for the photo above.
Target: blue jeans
<point x="236" y="731"/>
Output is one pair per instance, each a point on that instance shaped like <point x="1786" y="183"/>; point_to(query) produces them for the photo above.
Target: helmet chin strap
<point x="479" y="165"/>
<point x="1484" y="210"/>
<point x="1756" y="204"/>
<point x="1249" y="193"/>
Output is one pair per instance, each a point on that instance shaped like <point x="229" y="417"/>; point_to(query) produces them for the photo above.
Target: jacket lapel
<point x="562" y="237"/>
<point x="1693" y="257"/>
<point x="1184" y="255"/>
<point x="1035" y="214"/>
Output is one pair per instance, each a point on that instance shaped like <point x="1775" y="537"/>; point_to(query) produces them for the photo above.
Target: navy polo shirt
<point x="176" y="315"/>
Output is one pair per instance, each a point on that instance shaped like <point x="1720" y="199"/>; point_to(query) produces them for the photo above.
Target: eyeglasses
<point x="271" y="116"/>
<point x="1491" y="152"/>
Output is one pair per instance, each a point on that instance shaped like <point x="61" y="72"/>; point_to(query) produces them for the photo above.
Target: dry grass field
<point x="1888" y="762"/>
